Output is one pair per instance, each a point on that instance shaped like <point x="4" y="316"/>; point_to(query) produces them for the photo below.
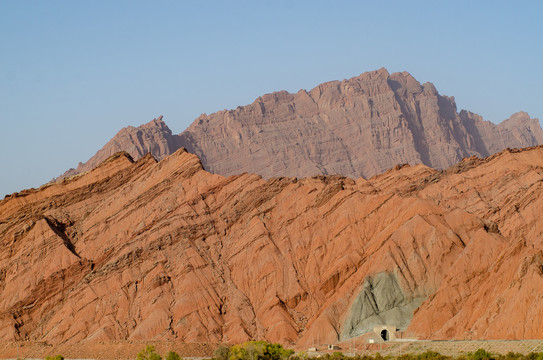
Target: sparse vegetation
<point x="480" y="354"/>
<point x="253" y="350"/>
<point x="172" y="355"/>
<point x="221" y="353"/>
<point x="149" y="353"/>
<point x="262" y="350"/>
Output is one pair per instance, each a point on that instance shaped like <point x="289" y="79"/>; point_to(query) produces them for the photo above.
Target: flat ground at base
<point x="106" y="350"/>
<point x="121" y="350"/>
<point x="444" y="347"/>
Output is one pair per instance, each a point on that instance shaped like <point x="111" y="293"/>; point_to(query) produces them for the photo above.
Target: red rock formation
<point x="356" y="127"/>
<point x="164" y="250"/>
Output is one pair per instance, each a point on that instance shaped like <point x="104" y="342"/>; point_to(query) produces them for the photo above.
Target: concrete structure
<point x="386" y="332"/>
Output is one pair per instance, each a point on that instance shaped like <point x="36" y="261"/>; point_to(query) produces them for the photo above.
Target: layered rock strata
<point x="165" y="250"/>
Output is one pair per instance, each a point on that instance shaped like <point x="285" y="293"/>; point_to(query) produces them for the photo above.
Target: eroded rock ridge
<point x="165" y="250"/>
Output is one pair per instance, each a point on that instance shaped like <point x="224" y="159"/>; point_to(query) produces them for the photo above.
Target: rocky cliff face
<point x="162" y="250"/>
<point x="518" y="131"/>
<point x="356" y="127"/>
<point x="154" y="137"/>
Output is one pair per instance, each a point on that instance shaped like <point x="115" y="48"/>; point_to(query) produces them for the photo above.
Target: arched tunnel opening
<point x="385" y="335"/>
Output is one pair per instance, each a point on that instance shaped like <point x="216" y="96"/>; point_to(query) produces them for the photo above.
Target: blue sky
<point x="73" y="73"/>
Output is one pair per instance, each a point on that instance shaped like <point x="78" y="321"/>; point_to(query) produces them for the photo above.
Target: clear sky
<point x="73" y="73"/>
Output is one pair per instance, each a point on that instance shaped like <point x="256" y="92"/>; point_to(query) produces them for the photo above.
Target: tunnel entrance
<point x="385" y="332"/>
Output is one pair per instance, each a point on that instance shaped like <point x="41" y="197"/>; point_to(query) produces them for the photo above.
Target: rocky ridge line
<point x="357" y="127"/>
<point x="165" y="250"/>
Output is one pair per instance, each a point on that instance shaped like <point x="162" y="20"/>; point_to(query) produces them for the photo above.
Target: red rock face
<point x="166" y="250"/>
<point x="356" y="127"/>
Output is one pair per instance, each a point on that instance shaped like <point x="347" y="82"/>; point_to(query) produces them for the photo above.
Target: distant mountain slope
<point x="154" y="137"/>
<point x="356" y="127"/>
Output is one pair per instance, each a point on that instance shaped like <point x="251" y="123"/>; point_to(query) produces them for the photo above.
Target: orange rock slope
<point x="166" y="250"/>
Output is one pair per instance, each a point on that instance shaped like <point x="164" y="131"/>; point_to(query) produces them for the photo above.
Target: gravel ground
<point x="107" y="350"/>
<point x="124" y="350"/>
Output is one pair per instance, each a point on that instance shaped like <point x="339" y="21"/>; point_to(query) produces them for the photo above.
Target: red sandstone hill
<point x="356" y="127"/>
<point x="165" y="250"/>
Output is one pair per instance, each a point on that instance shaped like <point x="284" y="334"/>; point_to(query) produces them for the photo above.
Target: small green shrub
<point x="407" y="356"/>
<point x="259" y="350"/>
<point x="276" y="352"/>
<point x="511" y="356"/>
<point x="221" y="353"/>
<point x="364" y="357"/>
<point x="430" y="355"/>
<point x="533" y="356"/>
<point x="172" y="355"/>
<point x="480" y="354"/>
<point x="237" y="352"/>
<point x="149" y="353"/>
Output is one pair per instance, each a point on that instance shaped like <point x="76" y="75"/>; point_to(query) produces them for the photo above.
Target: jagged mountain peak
<point x="357" y="127"/>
